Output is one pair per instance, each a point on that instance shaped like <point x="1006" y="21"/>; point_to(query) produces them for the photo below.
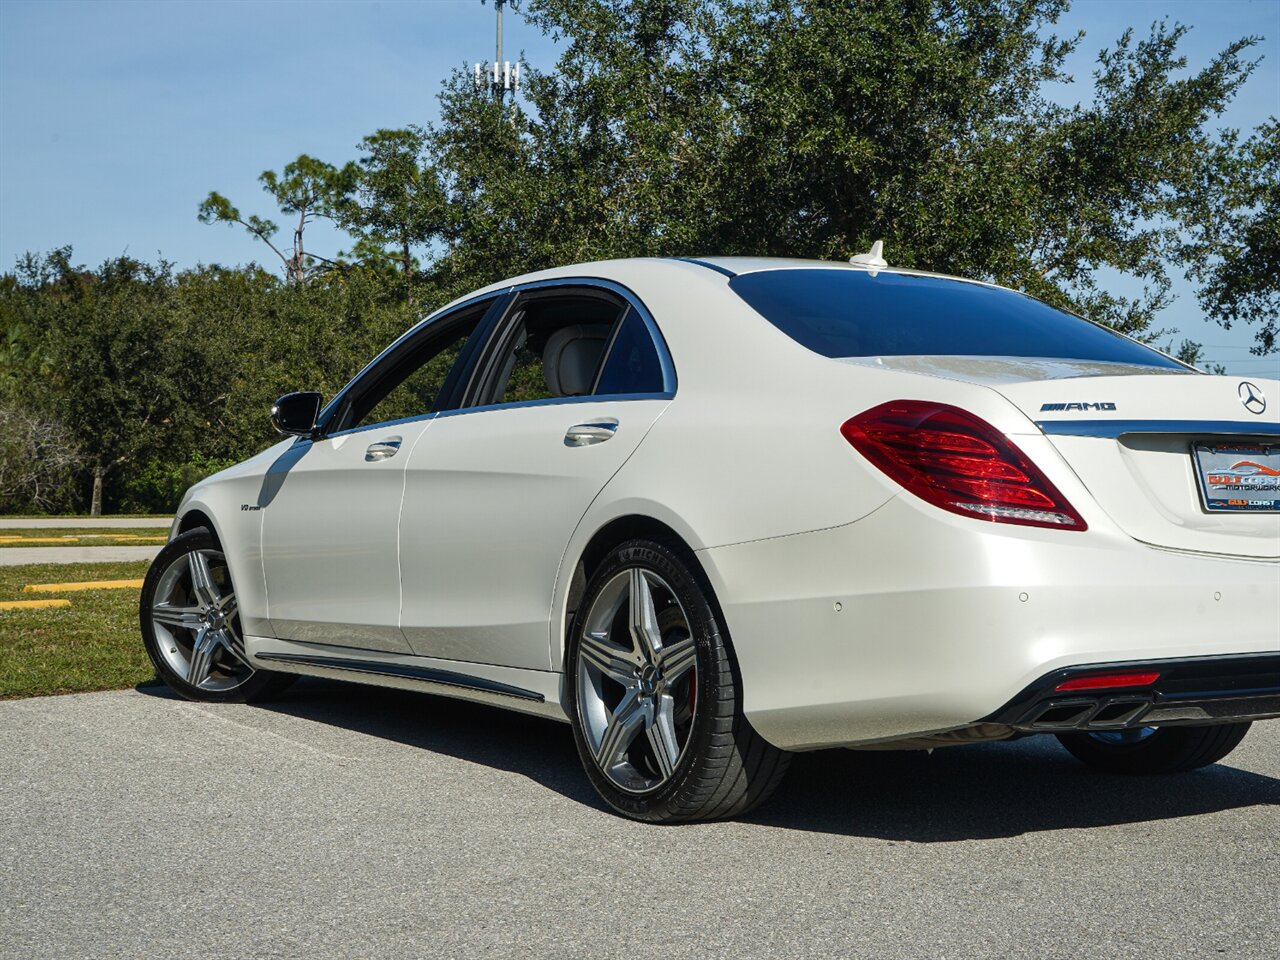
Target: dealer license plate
<point x="1239" y="476"/>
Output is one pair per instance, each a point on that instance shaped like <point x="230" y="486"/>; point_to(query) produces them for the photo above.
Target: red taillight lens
<point x="1108" y="681"/>
<point x="960" y="463"/>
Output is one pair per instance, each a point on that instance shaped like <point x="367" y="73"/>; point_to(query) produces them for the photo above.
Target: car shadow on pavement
<point x="971" y="792"/>
<point x="533" y="747"/>
<point x="985" y="791"/>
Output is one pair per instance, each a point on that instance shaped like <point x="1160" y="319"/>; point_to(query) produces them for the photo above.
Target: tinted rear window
<point x="849" y="313"/>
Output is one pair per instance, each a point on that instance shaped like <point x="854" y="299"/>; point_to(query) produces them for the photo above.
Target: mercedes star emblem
<point x="1251" y="395"/>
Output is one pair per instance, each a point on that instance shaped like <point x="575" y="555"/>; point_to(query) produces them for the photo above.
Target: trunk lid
<point x="1130" y="433"/>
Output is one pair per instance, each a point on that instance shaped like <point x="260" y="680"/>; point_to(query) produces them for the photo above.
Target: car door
<point x="330" y="523"/>
<point x="493" y="491"/>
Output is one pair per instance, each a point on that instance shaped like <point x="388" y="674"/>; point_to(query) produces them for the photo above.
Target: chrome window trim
<point x="553" y="402"/>
<point x="669" y="381"/>
<point x="515" y="404"/>
<point x="381" y="425"/>
<point x="1111" y="429"/>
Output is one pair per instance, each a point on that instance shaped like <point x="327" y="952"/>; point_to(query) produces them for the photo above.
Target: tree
<point x="113" y="348"/>
<point x="1193" y="353"/>
<point x="265" y="337"/>
<point x="807" y="128"/>
<point x="676" y="127"/>
<point x="306" y="188"/>
<point x="615" y="154"/>
<point x="21" y="362"/>
<point x="159" y="377"/>
<point x="1237" y="253"/>
<point x="395" y="203"/>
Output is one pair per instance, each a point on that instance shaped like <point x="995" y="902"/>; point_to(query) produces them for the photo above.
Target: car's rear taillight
<point x="960" y="463"/>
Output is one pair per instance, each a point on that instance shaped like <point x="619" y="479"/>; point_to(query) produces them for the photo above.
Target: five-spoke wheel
<point x="654" y="696"/>
<point x="191" y="624"/>
<point x="637" y="680"/>
<point x="195" y="622"/>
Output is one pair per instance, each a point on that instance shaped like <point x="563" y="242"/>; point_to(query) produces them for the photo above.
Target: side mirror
<point x="295" y="414"/>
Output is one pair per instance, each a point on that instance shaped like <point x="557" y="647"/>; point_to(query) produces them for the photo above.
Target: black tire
<point x="726" y="768"/>
<point x="1163" y="750"/>
<point x="258" y="685"/>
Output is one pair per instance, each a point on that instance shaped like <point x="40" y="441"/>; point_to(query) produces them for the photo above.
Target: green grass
<point x="87" y="537"/>
<point x="92" y="645"/>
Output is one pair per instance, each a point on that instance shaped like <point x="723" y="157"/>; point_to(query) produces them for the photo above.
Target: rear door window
<point x="632" y="365"/>
<point x="550" y="346"/>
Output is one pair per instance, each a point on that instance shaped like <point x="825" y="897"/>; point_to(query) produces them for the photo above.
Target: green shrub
<point x="158" y="485"/>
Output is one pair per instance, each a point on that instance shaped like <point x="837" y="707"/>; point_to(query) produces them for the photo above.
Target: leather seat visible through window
<point x="571" y="358"/>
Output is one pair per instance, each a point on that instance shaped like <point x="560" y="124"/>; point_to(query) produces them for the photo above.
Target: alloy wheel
<point x="637" y="680"/>
<point x="196" y="624"/>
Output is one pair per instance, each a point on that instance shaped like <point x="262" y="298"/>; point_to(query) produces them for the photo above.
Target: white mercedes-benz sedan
<point x="710" y="512"/>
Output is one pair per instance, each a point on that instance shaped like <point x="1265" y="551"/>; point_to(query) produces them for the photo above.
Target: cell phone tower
<point x="504" y="75"/>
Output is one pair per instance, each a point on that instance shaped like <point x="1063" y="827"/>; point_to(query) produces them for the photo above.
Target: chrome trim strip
<point x="405" y="672"/>
<point x="1116" y="428"/>
<point x="383" y="425"/>
<point x="551" y="402"/>
<point x="512" y="405"/>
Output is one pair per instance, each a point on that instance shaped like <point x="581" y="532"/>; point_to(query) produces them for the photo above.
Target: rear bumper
<point x="1197" y="691"/>
<point x="911" y="622"/>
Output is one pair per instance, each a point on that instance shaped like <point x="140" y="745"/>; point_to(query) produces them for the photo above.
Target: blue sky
<point x="117" y="118"/>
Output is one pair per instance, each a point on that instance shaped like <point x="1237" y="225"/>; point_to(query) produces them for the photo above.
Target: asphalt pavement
<point x="84" y="523"/>
<point x="19" y="556"/>
<point x="345" y="821"/>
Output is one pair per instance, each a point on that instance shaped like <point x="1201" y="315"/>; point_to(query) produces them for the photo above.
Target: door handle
<point x="382" y="450"/>
<point x="585" y="434"/>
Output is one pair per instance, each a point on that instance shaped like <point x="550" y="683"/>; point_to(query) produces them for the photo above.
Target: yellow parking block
<point x="33" y="604"/>
<point x="86" y="585"/>
<point x="89" y="540"/>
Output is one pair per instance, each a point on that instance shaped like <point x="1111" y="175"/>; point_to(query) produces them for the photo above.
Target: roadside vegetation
<point x="947" y="128"/>
<point x="91" y="645"/>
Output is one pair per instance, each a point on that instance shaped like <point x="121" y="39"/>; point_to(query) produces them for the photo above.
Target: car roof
<point x="728" y="267"/>
<point x="737" y="266"/>
<point x="740" y="265"/>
